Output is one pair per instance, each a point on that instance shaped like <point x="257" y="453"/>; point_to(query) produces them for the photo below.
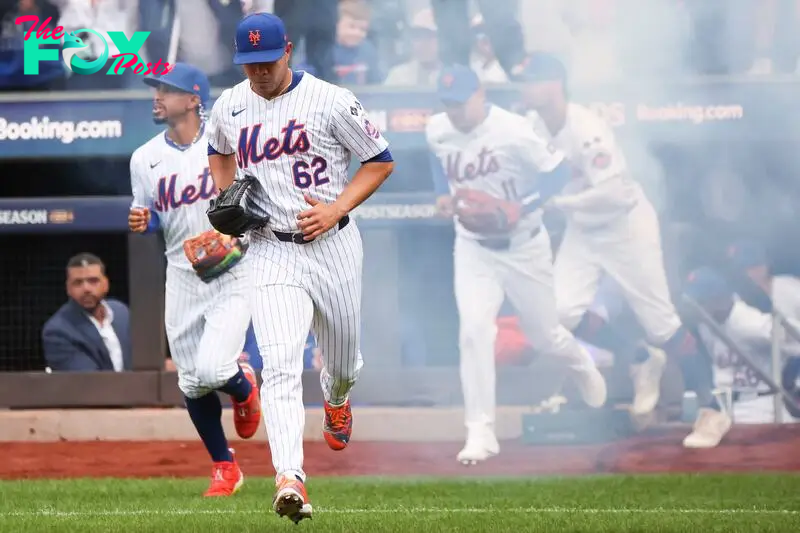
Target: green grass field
<point x="695" y="503"/>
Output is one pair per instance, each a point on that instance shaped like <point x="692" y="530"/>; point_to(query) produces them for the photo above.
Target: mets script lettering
<point x="170" y="198"/>
<point x="293" y="140"/>
<point x="485" y="165"/>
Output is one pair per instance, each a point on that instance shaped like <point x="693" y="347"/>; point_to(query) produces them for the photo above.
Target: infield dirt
<point x="746" y="449"/>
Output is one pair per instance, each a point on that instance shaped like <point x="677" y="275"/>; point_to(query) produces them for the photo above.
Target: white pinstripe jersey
<point x="499" y="157"/>
<point x="177" y="186"/>
<point x="590" y="145"/>
<point x="299" y="142"/>
<point x="596" y="158"/>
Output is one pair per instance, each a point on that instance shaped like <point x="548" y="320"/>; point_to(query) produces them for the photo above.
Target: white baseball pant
<point x="206" y="324"/>
<point x="483" y="277"/>
<point x="629" y="251"/>
<point x="302" y="287"/>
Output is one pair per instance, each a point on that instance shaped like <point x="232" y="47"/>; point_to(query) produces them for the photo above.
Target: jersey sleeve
<point x="441" y="184"/>
<point x="352" y="128"/>
<point x="600" y="157"/>
<point x="217" y="139"/>
<point x="142" y="196"/>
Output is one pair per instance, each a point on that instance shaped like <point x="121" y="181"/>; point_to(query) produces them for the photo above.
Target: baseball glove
<point x="227" y="214"/>
<point x="212" y="253"/>
<point x="481" y="212"/>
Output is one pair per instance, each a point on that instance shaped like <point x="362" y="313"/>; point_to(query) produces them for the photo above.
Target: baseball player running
<point x="207" y="304"/>
<point x="294" y="134"/>
<point x="488" y="156"/>
<point x="612" y="228"/>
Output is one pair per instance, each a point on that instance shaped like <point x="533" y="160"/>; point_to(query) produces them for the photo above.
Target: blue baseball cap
<point x="260" y="38"/>
<point x="747" y="254"/>
<point x="457" y="84"/>
<point x="541" y="66"/>
<point x="704" y="284"/>
<point x="186" y="78"/>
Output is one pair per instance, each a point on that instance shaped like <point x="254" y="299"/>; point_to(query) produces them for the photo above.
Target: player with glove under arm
<point x="612" y="228"/>
<point x="207" y="301"/>
<point x="495" y="173"/>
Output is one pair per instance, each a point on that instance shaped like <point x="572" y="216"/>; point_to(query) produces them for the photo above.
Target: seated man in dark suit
<point x="89" y="332"/>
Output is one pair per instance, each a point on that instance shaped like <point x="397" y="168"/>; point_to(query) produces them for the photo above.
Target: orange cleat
<point x="226" y="478"/>
<point x="291" y="499"/>
<point x="338" y="425"/>
<point x="247" y="414"/>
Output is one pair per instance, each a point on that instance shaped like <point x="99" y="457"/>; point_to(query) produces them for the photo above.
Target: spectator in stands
<point x="90" y="332"/>
<point x="502" y="27"/>
<point x="311" y="26"/>
<point x="744" y="36"/>
<point x="199" y="33"/>
<point x="775" y="46"/>
<point x="483" y="60"/>
<point x="355" y="57"/>
<point x="206" y="35"/>
<point x="423" y="67"/>
<point x="750" y="262"/>
<point x="52" y="75"/>
<point x="102" y="16"/>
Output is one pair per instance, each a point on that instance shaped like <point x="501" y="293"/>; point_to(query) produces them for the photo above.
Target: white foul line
<point x="400" y="510"/>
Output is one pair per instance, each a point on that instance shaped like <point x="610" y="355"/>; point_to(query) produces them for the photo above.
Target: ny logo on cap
<point x="196" y="87"/>
<point x="447" y="80"/>
<point x="255" y="37"/>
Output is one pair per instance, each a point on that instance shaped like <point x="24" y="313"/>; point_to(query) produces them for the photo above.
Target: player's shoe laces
<point x="338" y="425"/>
<point x="291" y="499"/>
<point x="226" y="478"/>
<point x="247" y="414"/>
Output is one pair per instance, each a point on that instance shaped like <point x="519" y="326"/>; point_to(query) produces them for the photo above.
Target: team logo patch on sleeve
<point x="601" y="160"/>
<point x="371" y="130"/>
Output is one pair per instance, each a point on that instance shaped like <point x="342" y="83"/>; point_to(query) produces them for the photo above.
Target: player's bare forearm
<point x="223" y="169"/>
<point x="366" y="181"/>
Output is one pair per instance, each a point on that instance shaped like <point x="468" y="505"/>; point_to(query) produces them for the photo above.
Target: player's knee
<point x="343" y="373"/>
<point x="190" y="386"/>
<point x="474" y="337"/>
<point x="212" y="375"/>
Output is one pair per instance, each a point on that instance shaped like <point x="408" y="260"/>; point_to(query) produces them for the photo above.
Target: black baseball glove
<point x="227" y="214"/>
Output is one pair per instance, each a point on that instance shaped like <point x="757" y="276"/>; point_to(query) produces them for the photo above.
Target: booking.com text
<point x="128" y="57"/>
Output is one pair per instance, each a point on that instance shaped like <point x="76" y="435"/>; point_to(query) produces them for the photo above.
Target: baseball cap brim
<point x="260" y="56"/>
<point x="543" y="67"/>
<point x="155" y="82"/>
<point x="455" y="96"/>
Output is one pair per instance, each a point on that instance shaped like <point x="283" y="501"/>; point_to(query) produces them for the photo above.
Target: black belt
<point x="298" y="238"/>
<point x="503" y="243"/>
